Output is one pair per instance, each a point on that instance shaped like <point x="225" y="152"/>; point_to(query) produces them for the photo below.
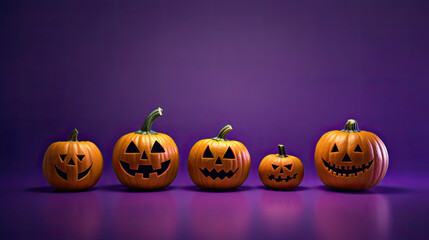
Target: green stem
<point x="351" y="126"/>
<point x="73" y="136"/>
<point x="147" y="124"/>
<point x="223" y="132"/>
<point x="282" y="152"/>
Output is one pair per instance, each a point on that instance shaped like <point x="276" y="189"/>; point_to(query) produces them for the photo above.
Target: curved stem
<point x="351" y="126"/>
<point x="282" y="152"/>
<point x="223" y="132"/>
<point x="73" y="136"/>
<point x="147" y="124"/>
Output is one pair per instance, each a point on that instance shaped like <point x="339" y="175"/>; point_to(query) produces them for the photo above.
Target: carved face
<point x="281" y="171"/>
<point x="218" y="164"/>
<point x="145" y="161"/>
<point x="341" y="165"/>
<point x="144" y="167"/>
<point x="351" y="160"/>
<point x="72" y="165"/>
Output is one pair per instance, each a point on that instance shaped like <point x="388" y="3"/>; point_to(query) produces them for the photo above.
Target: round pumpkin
<point x="72" y="165"/>
<point x="219" y="163"/>
<point x="281" y="171"/>
<point x="146" y="159"/>
<point x="351" y="159"/>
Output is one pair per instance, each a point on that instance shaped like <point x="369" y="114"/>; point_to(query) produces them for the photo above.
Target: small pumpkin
<point x="72" y="165"/>
<point x="351" y="159"/>
<point x="281" y="171"/>
<point x="146" y="159"/>
<point x="219" y="163"/>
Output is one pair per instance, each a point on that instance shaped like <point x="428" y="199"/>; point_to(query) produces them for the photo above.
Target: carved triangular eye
<point x="207" y="153"/>
<point x="275" y="166"/>
<point x="357" y="149"/>
<point x="335" y="149"/>
<point x="144" y="156"/>
<point x="132" y="148"/>
<point x="157" y="148"/>
<point x="289" y="167"/>
<point x="63" y="157"/>
<point x="80" y="157"/>
<point x="229" y="154"/>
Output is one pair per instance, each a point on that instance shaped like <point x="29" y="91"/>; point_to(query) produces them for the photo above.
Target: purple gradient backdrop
<point x="277" y="71"/>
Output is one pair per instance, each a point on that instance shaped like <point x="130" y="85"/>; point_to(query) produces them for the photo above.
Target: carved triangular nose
<point x="346" y="158"/>
<point x="218" y="161"/>
<point x="71" y="162"/>
<point x="281" y="170"/>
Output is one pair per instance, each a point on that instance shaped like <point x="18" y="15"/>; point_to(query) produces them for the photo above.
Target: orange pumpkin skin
<point x="227" y="167"/>
<point x="137" y="162"/>
<point x="351" y="159"/>
<point x="72" y="165"/>
<point x="281" y="171"/>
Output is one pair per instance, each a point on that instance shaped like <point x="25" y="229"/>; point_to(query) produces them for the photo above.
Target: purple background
<point x="277" y="71"/>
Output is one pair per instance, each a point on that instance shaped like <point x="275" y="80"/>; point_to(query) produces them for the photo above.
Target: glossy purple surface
<point x="393" y="210"/>
<point x="280" y="72"/>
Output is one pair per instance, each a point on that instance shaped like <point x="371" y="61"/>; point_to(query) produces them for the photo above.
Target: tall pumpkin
<point x="146" y="159"/>
<point x="72" y="165"/>
<point x="351" y="159"/>
<point x="219" y="163"/>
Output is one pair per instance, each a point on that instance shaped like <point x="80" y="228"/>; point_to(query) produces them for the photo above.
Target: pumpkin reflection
<point x="150" y="215"/>
<point x="351" y="216"/>
<point x="72" y="216"/>
<point x="219" y="216"/>
<point x="281" y="212"/>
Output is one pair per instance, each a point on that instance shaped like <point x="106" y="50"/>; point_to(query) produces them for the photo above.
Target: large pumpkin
<point x="72" y="165"/>
<point x="281" y="171"/>
<point x="351" y="159"/>
<point x="146" y="159"/>
<point x="219" y="163"/>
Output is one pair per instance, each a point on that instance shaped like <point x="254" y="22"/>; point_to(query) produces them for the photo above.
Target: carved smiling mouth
<point x="345" y="171"/>
<point x="145" y="169"/>
<point x="279" y="178"/>
<point x="215" y="174"/>
<point x="64" y="176"/>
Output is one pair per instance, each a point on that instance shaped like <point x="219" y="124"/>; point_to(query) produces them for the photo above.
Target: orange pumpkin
<point x="219" y="163"/>
<point x="351" y="159"/>
<point x="72" y="165"/>
<point x="146" y="159"/>
<point x="281" y="171"/>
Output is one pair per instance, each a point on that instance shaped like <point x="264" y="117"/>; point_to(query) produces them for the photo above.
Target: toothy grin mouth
<point x="145" y="169"/>
<point x="215" y="174"/>
<point x="279" y="178"/>
<point x="345" y="171"/>
<point x="64" y="176"/>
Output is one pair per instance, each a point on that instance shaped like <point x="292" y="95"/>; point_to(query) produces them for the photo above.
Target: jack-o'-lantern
<point x="281" y="171"/>
<point x="219" y="163"/>
<point x="146" y="159"/>
<point x="351" y="159"/>
<point x="72" y="165"/>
